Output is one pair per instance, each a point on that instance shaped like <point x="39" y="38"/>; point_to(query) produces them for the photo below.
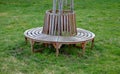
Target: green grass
<point x="99" y="16"/>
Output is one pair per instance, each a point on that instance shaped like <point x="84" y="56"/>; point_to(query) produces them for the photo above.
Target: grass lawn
<point x="99" y="16"/>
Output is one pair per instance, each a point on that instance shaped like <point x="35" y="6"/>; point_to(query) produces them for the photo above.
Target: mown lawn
<point x="99" y="16"/>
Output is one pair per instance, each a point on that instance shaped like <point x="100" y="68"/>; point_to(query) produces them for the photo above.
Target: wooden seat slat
<point x="82" y="35"/>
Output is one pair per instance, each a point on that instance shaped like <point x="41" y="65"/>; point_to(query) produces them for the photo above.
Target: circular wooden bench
<point x="36" y="35"/>
<point x="59" y="28"/>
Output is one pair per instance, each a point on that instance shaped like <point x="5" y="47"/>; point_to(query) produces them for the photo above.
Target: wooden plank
<point x="74" y="23"/>
<point x="72" y="31"/>
<point x="86" y="35"/>
<point x="56" y="23"/>
<point x="47" y="38"/>
<point x="53" y="24"/>
<point x="59" y="14"/>
<point x="50" y="24"/>
<point x="61" y="24"/>
<point x="45" y="27"/>
<point x="67" y="28"/>
<point x="47" y="23"/>
<point x="53" y="20"/>
<point x="70" y="24"/>
<point x="64" y="23"/>
<point x="66" y="39"/>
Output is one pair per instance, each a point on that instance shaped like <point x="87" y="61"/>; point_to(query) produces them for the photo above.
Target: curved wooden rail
<point x="36" y="35"/>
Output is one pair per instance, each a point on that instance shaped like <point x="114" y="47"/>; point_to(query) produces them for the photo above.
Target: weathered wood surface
<point x="36" y="34"/>
<point x="60" y="24"/>
<point x="82" y="37"/>
<point x="59" y="28"/>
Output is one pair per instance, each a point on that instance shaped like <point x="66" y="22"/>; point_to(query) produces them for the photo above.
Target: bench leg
<point x="57" y="47"/>
<point x="92" y="44"/>
<point x="83" y="45"/>
<point x="32" y="45"/>
<point x="57" y="51"/>
<point x="46" y="44"/>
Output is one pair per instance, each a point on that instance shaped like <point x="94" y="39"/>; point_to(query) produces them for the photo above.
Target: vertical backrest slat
<point x="59" y="19"/>
<point x="55" y="26"/>
<point x="61" y="24"/>
<point x="64" y="23"/>
<point x="74" y="20"/>
<point x="47" y="24"/>
<point x="50" y="24"/>
<point x="70" y="24"/>
<point x="67" y="29"/>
